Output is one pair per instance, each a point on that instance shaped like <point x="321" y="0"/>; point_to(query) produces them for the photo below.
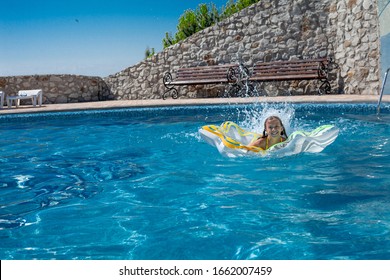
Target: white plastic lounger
<point x="33" y="94"/>
<point x="1" y="99"/>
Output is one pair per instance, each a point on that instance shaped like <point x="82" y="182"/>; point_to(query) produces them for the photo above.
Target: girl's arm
<point x="259" y="142"/>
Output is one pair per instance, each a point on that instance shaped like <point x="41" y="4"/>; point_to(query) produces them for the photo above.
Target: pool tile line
<point x="113" y="104"/>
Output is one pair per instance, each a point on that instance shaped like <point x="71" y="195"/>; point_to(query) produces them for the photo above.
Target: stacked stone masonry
<point x="270" y="30"/>
<point x="58" y="88"/>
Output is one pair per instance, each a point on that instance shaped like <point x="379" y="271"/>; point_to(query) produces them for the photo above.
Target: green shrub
<point x="168" y="40"/>
<point x="204" y="16"/>
<point x="149" y="53"/>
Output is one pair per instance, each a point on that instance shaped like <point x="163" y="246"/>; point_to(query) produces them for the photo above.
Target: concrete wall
<point x="346" y="30"/>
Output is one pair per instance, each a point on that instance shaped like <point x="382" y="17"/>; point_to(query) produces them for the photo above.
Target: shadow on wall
<point x="104" y="93"/>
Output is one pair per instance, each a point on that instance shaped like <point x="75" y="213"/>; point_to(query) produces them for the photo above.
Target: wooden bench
<point x="201" y="75"/>
<point x="305" y="69"/>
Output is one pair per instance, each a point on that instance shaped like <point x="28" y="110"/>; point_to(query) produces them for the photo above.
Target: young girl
<point x="274" y="132"/>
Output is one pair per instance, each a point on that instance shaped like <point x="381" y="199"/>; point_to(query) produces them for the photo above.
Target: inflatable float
<point x="231" y="140"/>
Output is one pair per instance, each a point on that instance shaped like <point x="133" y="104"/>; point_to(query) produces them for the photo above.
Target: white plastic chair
<point x="2" y="94"/>
<point x="33" y="94"/>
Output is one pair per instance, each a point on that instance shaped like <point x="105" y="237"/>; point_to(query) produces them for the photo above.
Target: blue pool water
<point x="141" y="184"/>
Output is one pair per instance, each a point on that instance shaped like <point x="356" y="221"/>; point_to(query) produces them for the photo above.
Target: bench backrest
<point x="30" y="92"/>
<point x="215" y="72"/>
<point x="292" y="69"/>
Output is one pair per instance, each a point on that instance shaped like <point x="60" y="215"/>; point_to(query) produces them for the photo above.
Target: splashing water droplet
<point x="253" y="117"/>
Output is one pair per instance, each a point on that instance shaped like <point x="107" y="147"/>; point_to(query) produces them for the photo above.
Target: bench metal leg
<point x="173" y="92"/>
<point x="238" y="76"/>
<point x="170" y="89"/>
<point x="324" y="88"/>
<point x="323" y="71"/>
<point x="233" y="91"/>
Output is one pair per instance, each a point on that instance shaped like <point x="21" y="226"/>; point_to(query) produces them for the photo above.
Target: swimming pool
<point x="141" y="184"/>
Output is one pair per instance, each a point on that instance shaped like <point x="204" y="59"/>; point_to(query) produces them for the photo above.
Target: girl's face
<point x="274" y="128"/>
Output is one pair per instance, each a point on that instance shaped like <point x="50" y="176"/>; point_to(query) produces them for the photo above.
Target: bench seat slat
<point x="295" y="66"/>
<point x="287" y="64"/>
<point x="283" y="68"/>
<point x="281" y="62"/>
<point x="285" y="75"/>
<point x="202" y="75"/>
<point x="196" y="68"/>
<point x="283" y="78"/>
<point x="198" y="82"/>
<point x="296" y="70"/>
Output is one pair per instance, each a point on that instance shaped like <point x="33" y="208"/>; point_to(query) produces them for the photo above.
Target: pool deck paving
<point x="113" y="104"/>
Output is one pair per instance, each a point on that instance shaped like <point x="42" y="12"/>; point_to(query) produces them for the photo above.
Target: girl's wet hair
<point x="283" y="133"/>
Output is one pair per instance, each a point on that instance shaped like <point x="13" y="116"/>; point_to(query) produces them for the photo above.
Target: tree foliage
<point x="204" y="16"/>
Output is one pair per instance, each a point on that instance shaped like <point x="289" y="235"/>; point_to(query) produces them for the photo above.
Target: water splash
<point x="253" y="117"/>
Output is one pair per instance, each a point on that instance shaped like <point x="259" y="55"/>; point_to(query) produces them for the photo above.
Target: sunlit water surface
<point x="142" y="184"/>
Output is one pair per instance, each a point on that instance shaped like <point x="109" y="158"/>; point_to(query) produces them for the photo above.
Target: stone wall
<point x="356" y="42"/>
<point x="58" y="88"/>
<point x="346" y="30"/>
<point x="270" y="30"/>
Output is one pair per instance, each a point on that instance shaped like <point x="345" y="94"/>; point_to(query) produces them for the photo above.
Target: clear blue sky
<point x="85" y="37"/>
